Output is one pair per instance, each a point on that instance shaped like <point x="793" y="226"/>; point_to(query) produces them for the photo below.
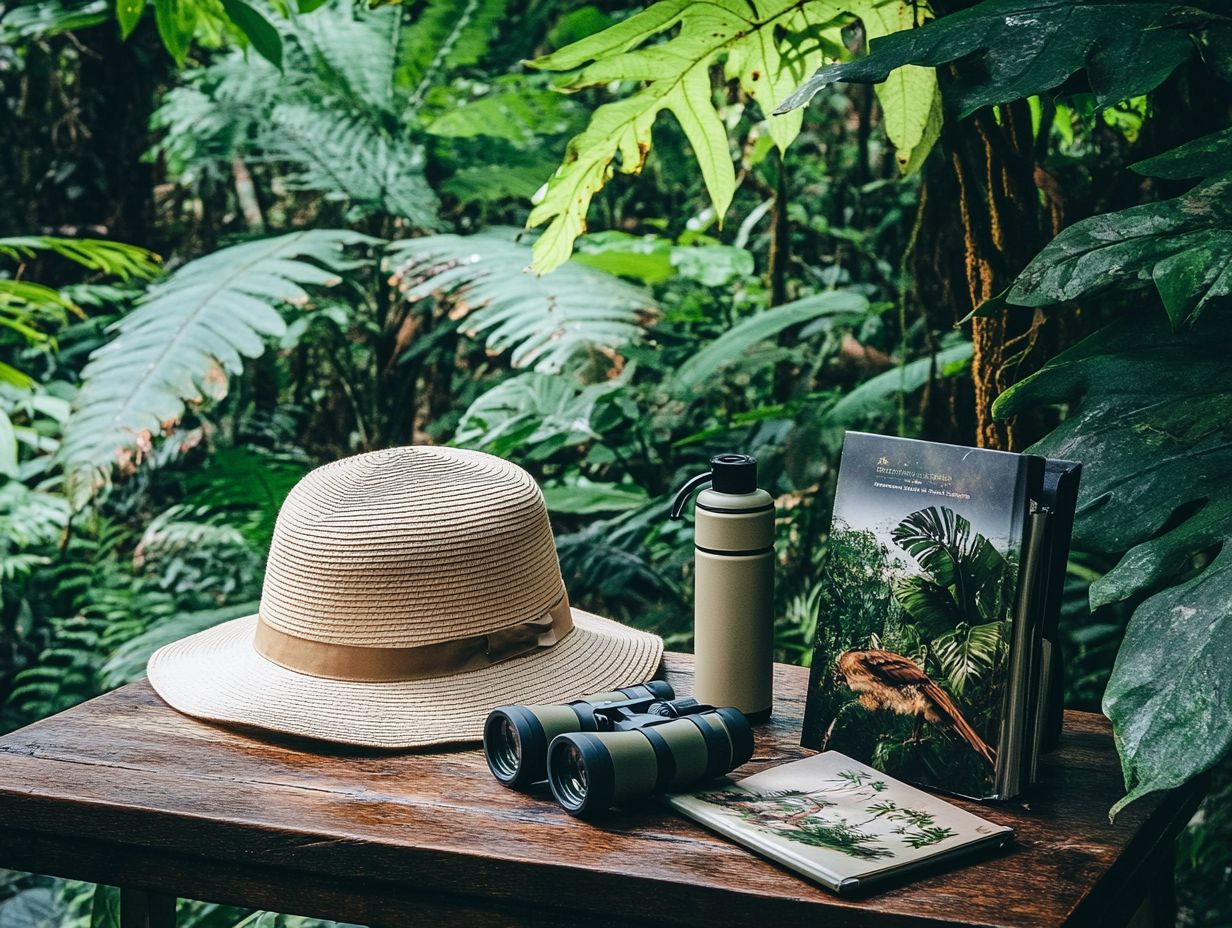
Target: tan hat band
<point x="383" y="665"/>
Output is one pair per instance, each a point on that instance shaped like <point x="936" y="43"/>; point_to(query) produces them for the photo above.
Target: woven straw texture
<point x="393" y="549"/>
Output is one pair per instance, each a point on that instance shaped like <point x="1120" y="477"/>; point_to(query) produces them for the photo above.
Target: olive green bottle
<point x="733" y="611"/>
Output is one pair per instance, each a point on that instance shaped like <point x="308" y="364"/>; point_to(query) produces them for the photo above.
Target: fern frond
<point x="115" y="259"/>
<point x="545" y="324"/>
<point x="444" y="37"/>
<point x="185" y="338"/>
<point x="348" y="158"/>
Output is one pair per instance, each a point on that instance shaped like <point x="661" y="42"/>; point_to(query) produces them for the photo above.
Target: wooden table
<point x="124" y="791"/>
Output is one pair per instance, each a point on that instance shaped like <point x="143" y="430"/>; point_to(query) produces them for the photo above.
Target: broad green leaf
<point x="578" y="316"/>
<point x="763" y="52"/>
<point x="585" y="497"/>
<point x="534" y="413"/>
<point x="258" y="30"/>
<point x="1151" y="420"/>
<point x="105" y="908"/>
<point x="183" y="341"/>
<point x="877" y="395"/>
<point x="1029" y="47"/>
<point x="909" y="96"/>
<point x="1204" y="157"/>
<point x="732" y="344"/>
<point x="651" y="259"/>
<point x="128" y="14"/>
<point x="176" y="21"/>
<point x="1184" y="245"/>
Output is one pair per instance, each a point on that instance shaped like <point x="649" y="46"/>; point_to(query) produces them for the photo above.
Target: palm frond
<point x="545" y="323"/>
<point x="185" y="338"/>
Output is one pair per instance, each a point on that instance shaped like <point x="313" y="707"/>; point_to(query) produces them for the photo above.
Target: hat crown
<point x="410" y="546"/>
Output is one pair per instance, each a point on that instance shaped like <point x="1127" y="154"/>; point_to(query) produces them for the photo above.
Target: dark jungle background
<point x="242" y="238"/>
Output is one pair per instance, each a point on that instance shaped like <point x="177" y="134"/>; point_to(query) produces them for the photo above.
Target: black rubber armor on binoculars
<point x="611" y="748"/>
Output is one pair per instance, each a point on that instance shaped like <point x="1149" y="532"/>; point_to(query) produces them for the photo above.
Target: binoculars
<point x="610" y="748"/>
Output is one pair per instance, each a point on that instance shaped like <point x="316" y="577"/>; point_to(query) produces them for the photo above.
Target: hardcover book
<point x="936" y="659"/>
<point x="840" y="822"/>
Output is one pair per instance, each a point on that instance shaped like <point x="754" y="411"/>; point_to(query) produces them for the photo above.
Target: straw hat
<point x="407" y="593"/>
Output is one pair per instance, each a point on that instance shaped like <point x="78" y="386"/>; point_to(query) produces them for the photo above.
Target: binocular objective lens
<point x="568" y="775"/>
<point x="503" y="747"/>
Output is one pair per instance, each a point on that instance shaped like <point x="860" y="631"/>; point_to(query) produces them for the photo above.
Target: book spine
<point x="1029" y="528"/>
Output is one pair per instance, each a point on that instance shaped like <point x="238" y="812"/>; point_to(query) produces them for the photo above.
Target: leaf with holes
<point x="766" y="47"/>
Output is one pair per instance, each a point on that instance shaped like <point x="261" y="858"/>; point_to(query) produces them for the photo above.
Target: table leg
<point x="140" y="909"/>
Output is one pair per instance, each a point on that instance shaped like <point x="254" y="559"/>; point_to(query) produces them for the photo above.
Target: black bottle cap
<point x="734" y="473"/>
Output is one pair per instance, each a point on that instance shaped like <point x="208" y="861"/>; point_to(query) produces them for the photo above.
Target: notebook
<point x="840" y="823"/>
<point x="936" y="657"/>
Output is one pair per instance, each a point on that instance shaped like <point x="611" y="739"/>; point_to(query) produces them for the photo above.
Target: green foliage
<point x="1126" y="48"/>
<point x="184" y="339"/>
<point x="34" y="313"/>
<point x="1183" y="246"/>
<point x="345" y="113"/>
<point x="967" y="578"/>
<point x="578" y="315"/>
<point x="766" y="49"/>
<point x="835" y="307"/>
<point x="1156" y="446"/>
<point x="536" y="413"/>
<point x="180" y="21"/>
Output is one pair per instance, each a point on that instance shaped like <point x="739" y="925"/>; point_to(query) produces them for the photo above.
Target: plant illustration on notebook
<point x="812" y="817"/>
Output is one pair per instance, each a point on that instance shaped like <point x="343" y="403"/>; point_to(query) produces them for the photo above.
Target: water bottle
<point x="733" y="611"/>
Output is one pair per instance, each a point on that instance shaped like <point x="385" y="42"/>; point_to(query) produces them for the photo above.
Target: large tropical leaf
<point x="1150" y="417"/>
<point x="1029" y="47"/>
<point x="1183" y="246"/>
<point x="958" y="558"/>
<point x="932" y="607"/>
<point x="732" y="344"/>
<point x="767" y="47"/>
<point x="185" y="338"/>
<point x="546" y="324"/>
<point x="968" y="652"/>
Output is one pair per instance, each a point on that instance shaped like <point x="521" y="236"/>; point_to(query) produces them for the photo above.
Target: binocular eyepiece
<point x="607" y="749"/>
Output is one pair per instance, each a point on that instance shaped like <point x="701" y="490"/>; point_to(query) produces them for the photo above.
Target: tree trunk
<point x="988" y="208"/>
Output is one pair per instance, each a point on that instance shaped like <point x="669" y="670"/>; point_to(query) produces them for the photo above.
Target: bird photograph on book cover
<point x="916" y="604"/>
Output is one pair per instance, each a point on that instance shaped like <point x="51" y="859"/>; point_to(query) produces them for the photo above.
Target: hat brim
<point x="218" y="675"/>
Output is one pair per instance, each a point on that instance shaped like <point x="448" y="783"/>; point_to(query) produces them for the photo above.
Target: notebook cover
<point x="921" y="581"/>
<point x="839" y="822"/>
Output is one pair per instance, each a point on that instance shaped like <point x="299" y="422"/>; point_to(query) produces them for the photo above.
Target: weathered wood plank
<point x="124" y="789"/>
